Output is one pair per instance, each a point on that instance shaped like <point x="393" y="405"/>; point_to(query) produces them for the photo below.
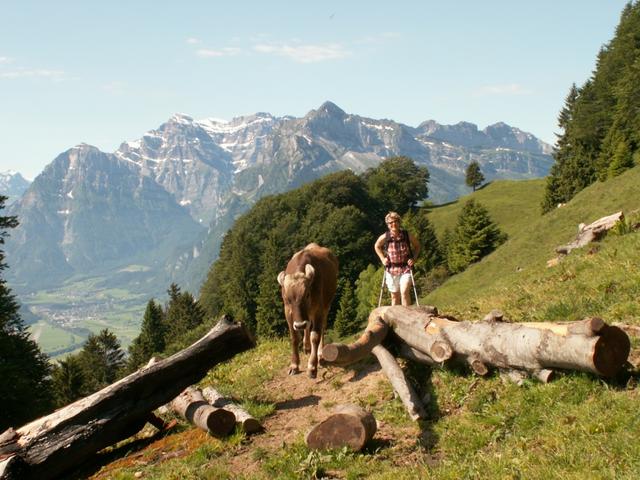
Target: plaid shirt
<point x="398" y="253"/>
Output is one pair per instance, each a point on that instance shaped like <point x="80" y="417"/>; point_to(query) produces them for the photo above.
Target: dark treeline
<point x="600" y="121"/>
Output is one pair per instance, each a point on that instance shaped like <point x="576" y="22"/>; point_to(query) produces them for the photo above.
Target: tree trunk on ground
<point x="243" y="418"/>
<point x="349" y="425"/>
<point x="60" y="441"/>
<point x="589" y="346"/>
<point x="192" y="406"/>
<point x="399" y="382"/>
<point x="591" y="232"/>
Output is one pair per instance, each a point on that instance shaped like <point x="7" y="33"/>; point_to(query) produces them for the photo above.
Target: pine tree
<point x="101" y="359"/>
<point x="473" y="175"/>
<point x="25" y="387"/>
<point x="622" y="159"/>
<point x="347" y="322"/>
<point x="474" y="237"/>
<point x="151" y="339"/>
<point x="68" y="380"/>
<point x="183" y="313"/>
<point x="368" y="292"/>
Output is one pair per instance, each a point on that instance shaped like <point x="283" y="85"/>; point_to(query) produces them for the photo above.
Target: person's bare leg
<point x="395" y="298"/>
<point x="405" y="290"/>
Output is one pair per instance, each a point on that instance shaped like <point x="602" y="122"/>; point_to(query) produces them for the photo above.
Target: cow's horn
<point x="309" y="271"/>
<point x="281" y="276"/>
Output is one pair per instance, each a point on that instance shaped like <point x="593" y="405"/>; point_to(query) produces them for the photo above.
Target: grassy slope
<point x="576" y="427"/>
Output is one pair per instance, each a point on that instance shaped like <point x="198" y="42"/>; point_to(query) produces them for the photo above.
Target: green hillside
<point x="578" y="426"/>
<point x="515" y="277"/>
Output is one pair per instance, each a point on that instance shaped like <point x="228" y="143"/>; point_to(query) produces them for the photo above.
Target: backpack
<point x="404" y="234"/>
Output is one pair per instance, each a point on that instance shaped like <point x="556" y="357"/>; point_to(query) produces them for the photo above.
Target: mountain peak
<point x="331" y="109"/>
<point x="181" y="118"/>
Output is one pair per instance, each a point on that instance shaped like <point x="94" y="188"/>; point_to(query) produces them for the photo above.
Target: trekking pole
<point x="415" y="292"/>
<point x="382" y="286"/>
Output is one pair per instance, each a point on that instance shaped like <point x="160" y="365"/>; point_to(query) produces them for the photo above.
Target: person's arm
<point x="415" y="248"/>
<point x="378" y="248"/>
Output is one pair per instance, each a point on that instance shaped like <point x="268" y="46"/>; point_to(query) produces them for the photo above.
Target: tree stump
<point x="349" y="426"/>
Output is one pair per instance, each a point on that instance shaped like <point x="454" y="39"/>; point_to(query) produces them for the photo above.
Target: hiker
<point x="397" y="250"/>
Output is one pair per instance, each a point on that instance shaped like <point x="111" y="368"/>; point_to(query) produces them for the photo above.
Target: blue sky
<point x="106" y="72"/>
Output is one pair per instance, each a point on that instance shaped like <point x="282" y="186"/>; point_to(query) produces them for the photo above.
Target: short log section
<point x="192" y="406"/>
<point x="243" y="419"/>
<point x="348" y="426"/>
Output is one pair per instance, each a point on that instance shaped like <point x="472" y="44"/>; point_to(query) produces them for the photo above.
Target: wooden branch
<point x="243" y="418"/>
<point x="340" y="354"/>
<point x="349" y="426"/>
<point x="192" y="406"/>
<point x="402" y="387"/>
<point x="591" y="232"/>
<point x="51" y="445"/>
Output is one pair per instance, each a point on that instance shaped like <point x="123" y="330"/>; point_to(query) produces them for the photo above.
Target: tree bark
<point x="192" y="406"/>
<point x="590" y="345"/>
<point x="349" y="425"/>
<point x="399" y="382"/>
<point x="243" y="418"/>
<point x="591" y="232"/>
<point x="51" y="445"/>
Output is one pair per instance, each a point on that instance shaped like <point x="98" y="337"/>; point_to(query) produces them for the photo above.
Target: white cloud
<point x="504" y="89"/>
<point x="5" y="60"/>
<point x="219" y="52"/>
<point x="193" y="41"/>
<point x="33" y="73"/>
<point x="305" y="53"/>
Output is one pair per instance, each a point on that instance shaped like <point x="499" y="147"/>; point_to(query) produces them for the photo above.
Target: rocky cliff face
<point x="12" y="185"/>
<point x="165" y="200"/>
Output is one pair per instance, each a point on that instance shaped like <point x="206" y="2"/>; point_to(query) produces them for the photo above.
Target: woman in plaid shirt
<point x="397" y="250"/>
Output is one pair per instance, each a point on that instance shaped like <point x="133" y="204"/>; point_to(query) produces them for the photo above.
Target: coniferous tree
<point x="347" y="322"/>
<point x="368" y="288"/>
<point x="474" y="237"/>
<point x="151" y="339"/>
<point x="473" y="175"/>
<point x="430" y="251"/>
<point x="101" y="359"/>
<point x="25" y="387"/>
<point x="183" y="313"/>
<point x="68" y="380"/>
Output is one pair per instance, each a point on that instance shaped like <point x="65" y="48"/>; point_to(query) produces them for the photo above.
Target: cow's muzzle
<point x="299" y="325"/>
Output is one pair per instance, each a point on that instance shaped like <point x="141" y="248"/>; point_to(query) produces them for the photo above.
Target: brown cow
<point x="308" y="285"/>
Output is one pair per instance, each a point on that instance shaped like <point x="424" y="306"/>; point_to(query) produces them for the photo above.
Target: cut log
<point x="247" y="423"/>
<point x="348" y="426"/>
<point x="53" y="444"/>
<point x="337" y="353"/>
<point x="192" y="406"/>
<point x="402" y="387"/>
<point x="522" y="346"/>
<point x="591" y="232"/>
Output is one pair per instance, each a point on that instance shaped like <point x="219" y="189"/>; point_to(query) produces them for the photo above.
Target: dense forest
<point x="600" y="121"/>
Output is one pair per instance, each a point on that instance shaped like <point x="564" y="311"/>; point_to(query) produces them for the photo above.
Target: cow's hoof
<point x="293" y="371"/>
<point x="312" y="373"/>
<point x="307" y="351"/>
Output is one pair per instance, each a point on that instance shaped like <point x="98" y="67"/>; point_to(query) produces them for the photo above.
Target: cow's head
<point x="296" y="294"/>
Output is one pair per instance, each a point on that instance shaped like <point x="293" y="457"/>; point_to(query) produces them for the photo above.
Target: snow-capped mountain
<point x="166" y="198"/>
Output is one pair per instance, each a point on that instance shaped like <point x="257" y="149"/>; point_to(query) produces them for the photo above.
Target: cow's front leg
<point x="295" y="356"/>
<point x="307" y="339"/>
<point x="312" y="365"/>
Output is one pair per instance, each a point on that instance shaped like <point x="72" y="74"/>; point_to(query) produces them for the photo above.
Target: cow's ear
<point x="309" y="271"/>
<point x="281" y="278"/>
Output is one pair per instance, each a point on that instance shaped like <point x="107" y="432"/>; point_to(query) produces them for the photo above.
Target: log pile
<point x="243" y="419"/>
<point x="51" y="445"/>
<point x="519" y="349"/>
